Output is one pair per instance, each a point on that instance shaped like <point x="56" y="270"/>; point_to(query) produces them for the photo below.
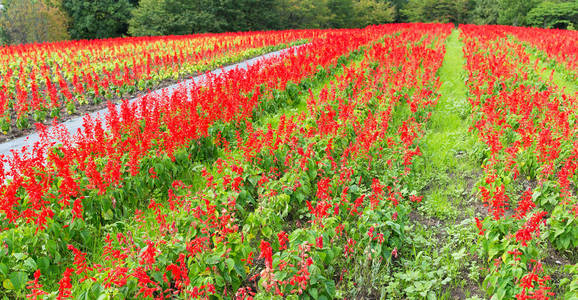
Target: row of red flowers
<point x="529" y="129"/>
<point x="41" y="81"/>
<point x="558" y="45"/>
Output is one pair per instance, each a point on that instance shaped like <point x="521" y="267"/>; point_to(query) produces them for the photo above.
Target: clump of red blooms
<point x="499" y="72"/>
<point x="558" y="45"/>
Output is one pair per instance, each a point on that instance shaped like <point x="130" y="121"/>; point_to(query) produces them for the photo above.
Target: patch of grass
<point x="436" y="205"/>
<point x="448" y="146"/>
<point x="443" y="235"/>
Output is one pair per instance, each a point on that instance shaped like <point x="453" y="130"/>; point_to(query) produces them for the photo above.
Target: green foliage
<point x="547" y="14"/>
<point x="97" y="19"/>
<point x="3" y="36"/>
<point x="242" y="15"/>
<point x="564" y="226"/>
<point x="572" y="289"/>
<point x="443" y="11"/>
<point x="485" y="12"/>
<point x="513" y="12"/>
<point x="303" y="13"/>
<point x="333" y="13"/>
<point x="159" y="17"/>
<point x="554" y="15"/>
<point x="32" y="21"/>
<point x="149" y="18"/>
<point x="164" y="17"/>
<point x="369" y="12"/>
<point x="113" y="18"/>
<point x="342" y="13"/>
<point x="397" y="6"/>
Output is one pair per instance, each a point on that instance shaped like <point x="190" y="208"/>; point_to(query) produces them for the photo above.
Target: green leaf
<point x="314" y="293"/>
<point x="267" y="231"/>
<point x="565" y="242"/>
<point x="103" y="297"/>
<point x="213" y="260"/>
<point x="330" y="288"/>
<point x="52" y="247"/>
<point x="7" y="284"/>
<point x="3" y="269"/>
<point x="30" y="264"/>
<point x="107" y="215"/>
<point x="95" y="292"/>
<point x="18" y="280"/>
<point x="230" y="264"/>
<point x="43" y="264"/>
<point x="240" y="270"/>
<point x="19" y="256"/>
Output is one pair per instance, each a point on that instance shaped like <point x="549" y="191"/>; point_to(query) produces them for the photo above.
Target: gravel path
<point x="74" y="124"/>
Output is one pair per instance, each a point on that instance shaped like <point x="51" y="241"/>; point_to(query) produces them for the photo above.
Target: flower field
<point x="400" y="161"/>
<point x="45" y="81"/>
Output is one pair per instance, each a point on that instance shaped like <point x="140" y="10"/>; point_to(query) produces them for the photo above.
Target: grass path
<point x="446" y="177"/>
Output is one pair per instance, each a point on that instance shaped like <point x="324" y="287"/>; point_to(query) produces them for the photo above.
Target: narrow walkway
<point x="447" y="181"/>
<point x="447" y="146"/>
<point x="74" y="124"/>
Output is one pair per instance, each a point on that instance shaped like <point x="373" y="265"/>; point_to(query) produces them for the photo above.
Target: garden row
<point x="557" y="45"/>
<point x="529" y="182"/>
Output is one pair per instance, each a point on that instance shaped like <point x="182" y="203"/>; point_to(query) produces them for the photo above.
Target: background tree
<point x="342" y="13"/>
<point x="513" y="12"/>
<point x="164" y="17"/>
<point x="562" y="15"/>
<point x="43" y="20"/>
<point x="98" y="18"/>
<point x="463" y="9"/>
<point x="33" y="21"/>
<point x="149" y="18"/>
<point x="442" y="11"/>
<point x="244" y="15"/>
<point x="3" y="34"/>
<point x="161" y="17"/>
<point x="259" y="14"/>
<point x="414" y="11"/>
<point x="302" y="13"/>
<point x="398" y="5"/>
<point x="333" y="13"/>
<point x="370" y="12"/>
<point x="233" y="14"/>
<point x="485" y="12"/>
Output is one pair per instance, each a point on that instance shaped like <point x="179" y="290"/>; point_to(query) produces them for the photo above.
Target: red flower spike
<point x="267" y="254"/>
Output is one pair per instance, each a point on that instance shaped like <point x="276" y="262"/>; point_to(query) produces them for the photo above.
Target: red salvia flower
<point x="480" y="226"/>
<point x="35" y="288"/>
<point x="267" y="254"/>
<point x="283" y="240"/>
<point x="65" y="285"/>
<point x="319" y="242"/>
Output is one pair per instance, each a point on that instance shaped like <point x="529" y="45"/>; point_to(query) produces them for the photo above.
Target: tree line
<point x="28" y="21"/>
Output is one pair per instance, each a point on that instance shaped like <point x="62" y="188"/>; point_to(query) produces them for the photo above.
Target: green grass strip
<point x="446" y="178"/>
